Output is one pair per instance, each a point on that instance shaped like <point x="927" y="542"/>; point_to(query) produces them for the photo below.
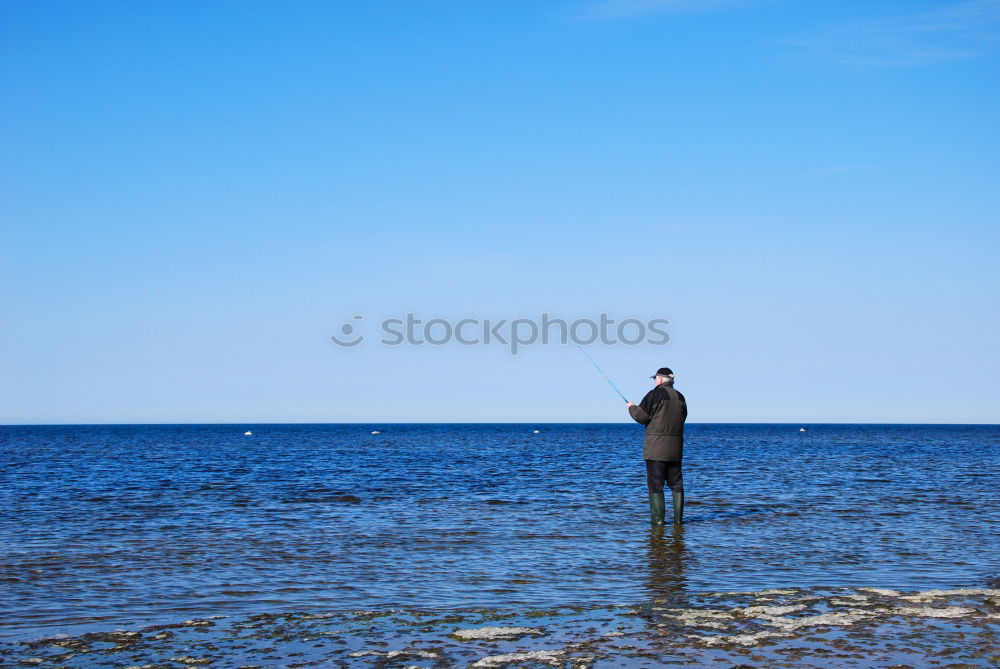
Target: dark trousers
<point x="657" y="472"/>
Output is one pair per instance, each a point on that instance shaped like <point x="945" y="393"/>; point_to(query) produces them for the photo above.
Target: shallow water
<point x="109" y="526"/>
<point x="784" y="628"/>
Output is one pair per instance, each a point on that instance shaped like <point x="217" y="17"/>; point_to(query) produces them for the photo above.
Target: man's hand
<point x="630" y="405"/>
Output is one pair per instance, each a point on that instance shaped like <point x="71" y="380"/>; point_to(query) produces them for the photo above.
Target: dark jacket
<point x="663" y="411"/>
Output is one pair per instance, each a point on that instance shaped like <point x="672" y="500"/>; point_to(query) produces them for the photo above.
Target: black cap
<point x="663" y="371"/>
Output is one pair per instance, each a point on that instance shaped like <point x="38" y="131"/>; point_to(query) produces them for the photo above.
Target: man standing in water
<point x="663" y="411"/>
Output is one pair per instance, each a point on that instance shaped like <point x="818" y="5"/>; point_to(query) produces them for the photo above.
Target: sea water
<point x="105" y="527"/>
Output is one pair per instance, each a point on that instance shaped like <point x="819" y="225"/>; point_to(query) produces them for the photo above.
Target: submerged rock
<point x="960" y="592"/>
<point x="184" y="659"/>
<point x="739" y="639"/>
<point x="548" y="656"/>
<point x="817" y="621"/>
<point x="392" y="654"/>
<point x="495" y="633"/>
<point x="882" y="591"/>
<point x="931" y="612"/>
<point x="771" y="610"/>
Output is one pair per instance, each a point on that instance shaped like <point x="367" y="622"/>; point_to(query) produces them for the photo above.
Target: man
<point x="663" y="411"/>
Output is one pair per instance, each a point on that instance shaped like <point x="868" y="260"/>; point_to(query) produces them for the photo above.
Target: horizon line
<point x="623" y="422"/>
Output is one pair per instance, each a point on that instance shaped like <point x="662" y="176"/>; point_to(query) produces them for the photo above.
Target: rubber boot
<point x="678" y="500"/>
<point x="657" y="508"/>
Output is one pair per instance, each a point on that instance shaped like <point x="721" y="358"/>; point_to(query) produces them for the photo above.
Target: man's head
<point x="663" y="375"/>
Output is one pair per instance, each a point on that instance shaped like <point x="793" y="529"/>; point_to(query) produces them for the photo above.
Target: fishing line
<point x="601" y="371"/>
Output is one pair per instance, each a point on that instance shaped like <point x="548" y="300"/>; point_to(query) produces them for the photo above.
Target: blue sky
<point x="197" y="195"/>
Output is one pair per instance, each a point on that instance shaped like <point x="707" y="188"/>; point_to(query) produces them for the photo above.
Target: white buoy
<point x="536" y="431"/>
<point x="376" y="432"/>
<point x="248" y="433"/>
<point x="802" y="429"/>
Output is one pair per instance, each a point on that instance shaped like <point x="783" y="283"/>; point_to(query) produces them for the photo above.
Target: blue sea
<point x="105" y="527"/>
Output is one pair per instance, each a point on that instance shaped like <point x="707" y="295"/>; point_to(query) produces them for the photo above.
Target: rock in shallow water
<point x="495" y="633"/>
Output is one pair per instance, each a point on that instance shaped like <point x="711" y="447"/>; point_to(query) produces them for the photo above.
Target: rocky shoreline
<point x="794" y="627"/>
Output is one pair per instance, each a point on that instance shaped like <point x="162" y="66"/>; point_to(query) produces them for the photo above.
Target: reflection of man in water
<point x="663" y="411"/>
<point x="667" y="558"/>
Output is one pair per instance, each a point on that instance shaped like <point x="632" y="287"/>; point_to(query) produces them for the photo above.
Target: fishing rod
<point x="601" y="371"/>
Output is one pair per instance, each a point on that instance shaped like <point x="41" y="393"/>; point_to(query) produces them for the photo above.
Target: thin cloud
<point x="621" y="9"/>
<point x="956" y="31"/>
